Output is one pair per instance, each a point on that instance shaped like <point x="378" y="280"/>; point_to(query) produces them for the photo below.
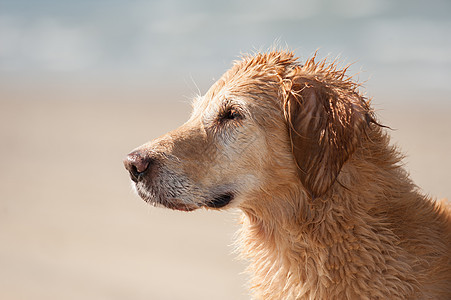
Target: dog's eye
<point x="231" y="114"/>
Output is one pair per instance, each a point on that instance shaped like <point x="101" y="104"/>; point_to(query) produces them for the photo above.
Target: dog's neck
<point x="332" y="244"/>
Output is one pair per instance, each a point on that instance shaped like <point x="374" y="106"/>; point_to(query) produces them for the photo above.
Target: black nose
<point x="137" y="163"/>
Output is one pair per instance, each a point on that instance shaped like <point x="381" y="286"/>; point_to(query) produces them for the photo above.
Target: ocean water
<point x="402" y="49"/>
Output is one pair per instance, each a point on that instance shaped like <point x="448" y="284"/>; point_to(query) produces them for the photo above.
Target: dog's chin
<point x="177" y="205"/>
<point x="219" y="201"/>
<point x="174" y="204"/>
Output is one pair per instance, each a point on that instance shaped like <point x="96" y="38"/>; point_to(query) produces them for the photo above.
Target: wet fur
<point x="357" y="228"/>
<point x="328" y="210"/>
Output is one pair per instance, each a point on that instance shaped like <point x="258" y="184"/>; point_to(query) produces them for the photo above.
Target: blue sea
<point x="399" y="48"/>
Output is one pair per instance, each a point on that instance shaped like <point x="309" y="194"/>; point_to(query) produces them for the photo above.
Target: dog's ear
<point x="326" y="117"/>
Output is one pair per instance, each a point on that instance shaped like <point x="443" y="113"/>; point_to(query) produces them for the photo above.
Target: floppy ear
<point x="325" y="118"/>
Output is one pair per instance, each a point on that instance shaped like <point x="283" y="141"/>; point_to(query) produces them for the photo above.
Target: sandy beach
<point x="71" y="227"/>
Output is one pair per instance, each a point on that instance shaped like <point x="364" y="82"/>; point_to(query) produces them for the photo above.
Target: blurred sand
<point x="71" y="227"/>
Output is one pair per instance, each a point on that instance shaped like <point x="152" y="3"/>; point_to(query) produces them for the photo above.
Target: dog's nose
<point x="137" y="163"/>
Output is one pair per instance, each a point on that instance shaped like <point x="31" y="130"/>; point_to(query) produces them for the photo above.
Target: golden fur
<point x="328" y="210"/>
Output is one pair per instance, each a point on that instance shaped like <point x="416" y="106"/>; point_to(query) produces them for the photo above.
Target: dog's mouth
<point x="220" y="201"/>
<point x="179" y="202"/>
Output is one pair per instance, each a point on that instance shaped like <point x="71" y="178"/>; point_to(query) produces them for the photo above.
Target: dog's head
<point x="268" y="123"/>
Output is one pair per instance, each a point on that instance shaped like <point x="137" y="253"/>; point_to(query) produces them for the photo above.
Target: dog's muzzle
<point x="145" y="170"/>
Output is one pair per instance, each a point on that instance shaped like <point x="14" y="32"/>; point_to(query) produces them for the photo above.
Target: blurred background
<point x="82" y="83"/>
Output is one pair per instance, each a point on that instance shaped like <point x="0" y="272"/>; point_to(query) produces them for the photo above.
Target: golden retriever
<point x="328" y="210"/>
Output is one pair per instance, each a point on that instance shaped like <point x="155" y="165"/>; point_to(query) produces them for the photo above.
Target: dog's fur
<point x="328" y="210"/>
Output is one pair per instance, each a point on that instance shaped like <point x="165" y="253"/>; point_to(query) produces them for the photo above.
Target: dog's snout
<point x="137" y="163"/>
